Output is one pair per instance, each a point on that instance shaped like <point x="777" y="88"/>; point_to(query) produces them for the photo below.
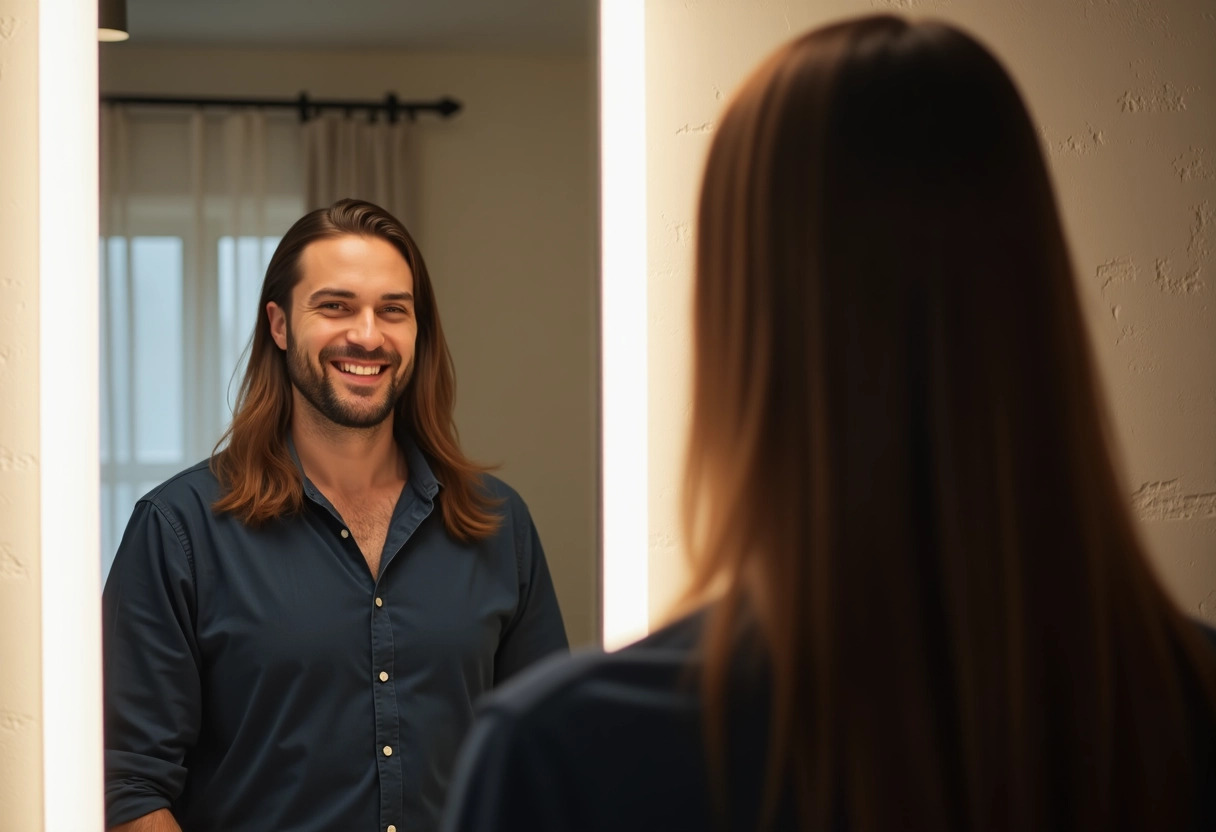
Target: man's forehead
<point x="355" y="263"/>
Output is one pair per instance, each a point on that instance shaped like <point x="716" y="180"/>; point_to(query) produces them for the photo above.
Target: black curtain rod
<point x="307" y="107"/>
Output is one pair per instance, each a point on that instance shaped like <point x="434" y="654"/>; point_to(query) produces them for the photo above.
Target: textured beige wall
<point x="1125" y="94"/>
<point x="20" y="602"/>
<point x="506" y="208"/>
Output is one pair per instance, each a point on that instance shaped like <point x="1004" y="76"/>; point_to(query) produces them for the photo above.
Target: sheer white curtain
<point x="355" y="157"/>
<point x="192" y="206"/>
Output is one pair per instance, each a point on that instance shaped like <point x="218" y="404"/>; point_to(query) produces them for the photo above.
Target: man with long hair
<point x="918" y="599"/>
<point x="297" y="628"/>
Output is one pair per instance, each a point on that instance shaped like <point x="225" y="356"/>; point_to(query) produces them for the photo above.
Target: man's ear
<point x="278" y="324"/>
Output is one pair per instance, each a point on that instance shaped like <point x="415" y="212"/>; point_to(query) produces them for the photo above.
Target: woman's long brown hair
<point x="899" y="485"/>
<point x="258" y="478"/>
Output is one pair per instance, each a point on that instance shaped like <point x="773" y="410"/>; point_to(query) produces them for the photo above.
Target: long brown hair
<point x="899" y="488"/>
<point x="258" y="478"/>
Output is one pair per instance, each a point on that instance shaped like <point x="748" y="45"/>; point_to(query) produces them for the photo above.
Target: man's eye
<point x="395" y="310"/>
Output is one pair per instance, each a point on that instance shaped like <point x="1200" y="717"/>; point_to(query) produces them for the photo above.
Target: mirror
<point x="501" y="198"/>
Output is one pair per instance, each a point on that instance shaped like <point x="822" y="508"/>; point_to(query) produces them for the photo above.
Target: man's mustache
<point x="336" y="353"/>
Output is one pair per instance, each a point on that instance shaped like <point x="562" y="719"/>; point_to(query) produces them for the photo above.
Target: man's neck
<point x="348" y="461"/>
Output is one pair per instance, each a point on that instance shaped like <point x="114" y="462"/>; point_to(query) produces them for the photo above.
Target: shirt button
<point x="379" y="602"/>
<point x="388" y="751"/>
<point x="383" y="676"/>
<point x="345" y="534"/>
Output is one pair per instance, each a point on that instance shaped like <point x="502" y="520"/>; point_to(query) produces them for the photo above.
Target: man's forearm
<point x="159" y="821"/>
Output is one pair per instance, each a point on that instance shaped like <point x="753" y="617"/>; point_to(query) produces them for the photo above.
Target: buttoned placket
<point x="411" y="511"/>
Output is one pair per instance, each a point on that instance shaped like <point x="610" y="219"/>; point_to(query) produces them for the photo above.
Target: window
<point x="188" y="200"/>
<point x="163" y="404"/>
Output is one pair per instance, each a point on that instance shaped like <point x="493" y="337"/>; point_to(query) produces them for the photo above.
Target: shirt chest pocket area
<point x="437" y="630"/>
<point x="454" y="616"/>
<point x="290" y="626"/>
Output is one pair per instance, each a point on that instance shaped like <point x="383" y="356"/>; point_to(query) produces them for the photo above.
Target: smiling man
<point x="297" y="628"/>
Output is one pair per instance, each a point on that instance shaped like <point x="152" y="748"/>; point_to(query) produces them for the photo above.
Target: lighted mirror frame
<point x="72" y="776"/>
<point x="624" y="567"/>
<point x="68" y="385"/>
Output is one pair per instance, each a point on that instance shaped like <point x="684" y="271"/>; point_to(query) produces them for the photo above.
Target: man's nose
<point x="365" y="331"/>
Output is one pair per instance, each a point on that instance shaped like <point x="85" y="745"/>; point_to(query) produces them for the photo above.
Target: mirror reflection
<point x="344" y="545"/>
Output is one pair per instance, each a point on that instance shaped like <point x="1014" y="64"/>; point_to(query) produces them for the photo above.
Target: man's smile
<point x="350" y="368"/>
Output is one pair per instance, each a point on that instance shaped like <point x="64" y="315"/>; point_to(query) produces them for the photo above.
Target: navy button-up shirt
<point x="262" y="679"/>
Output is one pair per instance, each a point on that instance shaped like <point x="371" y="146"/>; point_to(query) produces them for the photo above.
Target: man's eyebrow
<point x="330" y="293"/>
<point x="348" y="294"/>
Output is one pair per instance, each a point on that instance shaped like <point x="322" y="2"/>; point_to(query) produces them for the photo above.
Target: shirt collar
<point x="419" y="470"/>
<point x="421" y="478"/>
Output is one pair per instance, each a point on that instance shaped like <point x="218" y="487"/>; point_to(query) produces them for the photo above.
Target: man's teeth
<point x="360" y="370"/>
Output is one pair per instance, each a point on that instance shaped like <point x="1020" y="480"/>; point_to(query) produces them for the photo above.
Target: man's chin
<point x="358" y="421"/>
<point x="363" y="393"/>
<point x="363" y="412"/>
<point x="363" y="416"/>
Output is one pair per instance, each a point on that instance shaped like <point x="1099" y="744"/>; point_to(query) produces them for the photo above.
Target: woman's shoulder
<point x="590" y="741"/>
<point x="656" y="666"/>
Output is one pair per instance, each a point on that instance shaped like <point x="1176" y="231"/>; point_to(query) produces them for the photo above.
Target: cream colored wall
<point x="506" y="210"/>
<point x="20" y="586"/>
<point x="1125" y="93"/>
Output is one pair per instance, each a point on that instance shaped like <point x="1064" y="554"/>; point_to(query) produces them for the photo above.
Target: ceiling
<point x="527" y="26"/>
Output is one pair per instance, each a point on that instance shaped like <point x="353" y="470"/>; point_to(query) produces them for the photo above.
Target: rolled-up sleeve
<point x="151" y="666"/>
<point x="536" y="629"/>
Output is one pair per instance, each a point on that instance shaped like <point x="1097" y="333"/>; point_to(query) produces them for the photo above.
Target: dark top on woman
<point x="599" y="742"/>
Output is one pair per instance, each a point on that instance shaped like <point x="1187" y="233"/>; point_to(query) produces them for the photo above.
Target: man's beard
<point x="318" y="388"/>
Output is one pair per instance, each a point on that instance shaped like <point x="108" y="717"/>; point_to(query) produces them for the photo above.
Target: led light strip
<point x="68" y="415"/>
<point x="625" y="567"/>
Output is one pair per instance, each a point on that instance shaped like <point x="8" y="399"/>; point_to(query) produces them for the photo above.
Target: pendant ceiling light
<point x="112" y="20"/>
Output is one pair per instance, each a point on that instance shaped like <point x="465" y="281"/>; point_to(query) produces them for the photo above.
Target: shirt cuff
<point x="137" y="784"/>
